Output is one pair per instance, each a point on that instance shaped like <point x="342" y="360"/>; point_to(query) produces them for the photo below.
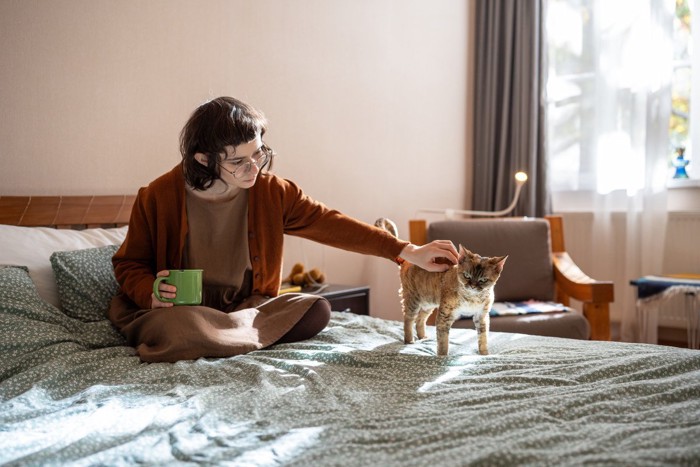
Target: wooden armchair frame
<point x="570" y="281"/>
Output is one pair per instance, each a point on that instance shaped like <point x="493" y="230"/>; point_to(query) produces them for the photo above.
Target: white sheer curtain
<point x="609" y="108"/>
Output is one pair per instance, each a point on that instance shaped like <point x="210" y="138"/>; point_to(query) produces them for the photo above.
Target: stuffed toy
<point x="298" y="276"/>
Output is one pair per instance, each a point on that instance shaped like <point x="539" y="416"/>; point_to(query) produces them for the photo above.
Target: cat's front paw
<point x="483" y="352"/>
<point x="408" y="340"/>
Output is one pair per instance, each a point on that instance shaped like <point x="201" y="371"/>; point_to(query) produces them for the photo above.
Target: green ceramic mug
<point x="188" y="283"/>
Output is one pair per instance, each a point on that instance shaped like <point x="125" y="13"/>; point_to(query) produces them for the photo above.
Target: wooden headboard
<point x="66" y="212"/>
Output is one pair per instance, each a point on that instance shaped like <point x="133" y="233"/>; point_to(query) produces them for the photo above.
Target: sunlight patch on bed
<point x="93" y="419"/>
<point x="325" y="350"/>
<point x="282" y="450"/>
<point x="459" y="366"/>
<point x="302" y="363"/>
<point x="447" y="376"/>
<point x="508" y="337"/>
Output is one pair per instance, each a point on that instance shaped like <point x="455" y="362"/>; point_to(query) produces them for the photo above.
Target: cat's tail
<point x="388" y="225"/>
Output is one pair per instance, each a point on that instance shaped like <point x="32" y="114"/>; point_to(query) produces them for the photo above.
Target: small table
<point x="661" y="288"/>
<point x="348" y="298"/>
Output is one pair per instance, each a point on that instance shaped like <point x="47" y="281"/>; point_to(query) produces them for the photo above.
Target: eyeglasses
<point x="243" y="165"/>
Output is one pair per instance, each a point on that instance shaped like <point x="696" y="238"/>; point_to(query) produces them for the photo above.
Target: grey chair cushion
<point x="528" y="272"/>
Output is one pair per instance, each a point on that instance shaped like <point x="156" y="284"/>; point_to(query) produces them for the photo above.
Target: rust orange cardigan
<point x="158" y="230"/>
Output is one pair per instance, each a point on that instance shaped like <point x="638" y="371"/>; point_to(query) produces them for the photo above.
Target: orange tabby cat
<point x="465" y="288"/>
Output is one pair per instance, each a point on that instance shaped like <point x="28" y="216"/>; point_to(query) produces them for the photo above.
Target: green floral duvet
<point x="72" y="392"/>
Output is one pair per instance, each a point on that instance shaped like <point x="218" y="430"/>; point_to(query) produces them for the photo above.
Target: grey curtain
<point x="509" y="113"/>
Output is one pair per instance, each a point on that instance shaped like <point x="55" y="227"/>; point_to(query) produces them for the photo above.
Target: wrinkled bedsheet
<point x="72" y="392"/>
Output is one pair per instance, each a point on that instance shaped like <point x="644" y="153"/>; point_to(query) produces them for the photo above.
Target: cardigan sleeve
<point x="156" y="236"/>
<point x="310" y="219"/>
<point x="134" y="262"/>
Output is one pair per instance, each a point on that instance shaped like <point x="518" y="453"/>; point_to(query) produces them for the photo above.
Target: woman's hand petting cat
<point x="436" y="256"/>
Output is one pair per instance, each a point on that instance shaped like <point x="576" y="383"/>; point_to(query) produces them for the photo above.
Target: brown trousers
<point x="190" y="332"/>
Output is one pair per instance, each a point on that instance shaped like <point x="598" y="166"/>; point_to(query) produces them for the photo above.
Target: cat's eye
<point x="467" y="276"/>
<point x="483" y="280"/>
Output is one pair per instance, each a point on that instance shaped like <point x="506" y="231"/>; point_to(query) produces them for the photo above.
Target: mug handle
<point x="156" y="292"/>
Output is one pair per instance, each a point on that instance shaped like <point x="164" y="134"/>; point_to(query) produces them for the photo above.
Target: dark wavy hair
<point x="221" y="122"/>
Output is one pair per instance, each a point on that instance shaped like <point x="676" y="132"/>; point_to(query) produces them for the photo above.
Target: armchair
<point x="538" y="268"/>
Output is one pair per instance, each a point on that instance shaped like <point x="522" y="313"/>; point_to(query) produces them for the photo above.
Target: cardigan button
<point x="257" y="258"/>
<point x="257" y="275"/>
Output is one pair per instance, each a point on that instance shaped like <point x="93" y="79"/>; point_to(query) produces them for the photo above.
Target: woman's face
<point x="241" y="165"/>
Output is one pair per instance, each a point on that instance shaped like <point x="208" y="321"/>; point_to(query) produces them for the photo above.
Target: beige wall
<point x="366" y="99"/>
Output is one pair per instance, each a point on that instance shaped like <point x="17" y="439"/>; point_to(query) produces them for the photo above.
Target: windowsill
<point x="683" y="194"/>
<point x="683" y="183"/>
<point x="682" y="197"/>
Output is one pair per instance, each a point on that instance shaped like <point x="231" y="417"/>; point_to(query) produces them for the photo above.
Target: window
<point x="679" y="128"/>
<point x="618" y="91"/>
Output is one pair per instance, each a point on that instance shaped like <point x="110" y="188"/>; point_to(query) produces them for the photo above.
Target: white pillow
<point x="32" y="247"/>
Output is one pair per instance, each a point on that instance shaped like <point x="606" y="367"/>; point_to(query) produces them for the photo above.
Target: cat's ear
<point x="462" y="254"/>
<point x="499" y="262"/>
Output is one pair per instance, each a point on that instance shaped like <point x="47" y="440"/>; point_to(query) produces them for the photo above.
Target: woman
<point x="218" y="210"/>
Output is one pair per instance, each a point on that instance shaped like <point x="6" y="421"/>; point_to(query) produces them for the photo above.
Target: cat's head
<point x="479" y="272"/>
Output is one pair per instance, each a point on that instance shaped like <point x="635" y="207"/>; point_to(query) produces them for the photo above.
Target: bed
<point x="72" y="392"/>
